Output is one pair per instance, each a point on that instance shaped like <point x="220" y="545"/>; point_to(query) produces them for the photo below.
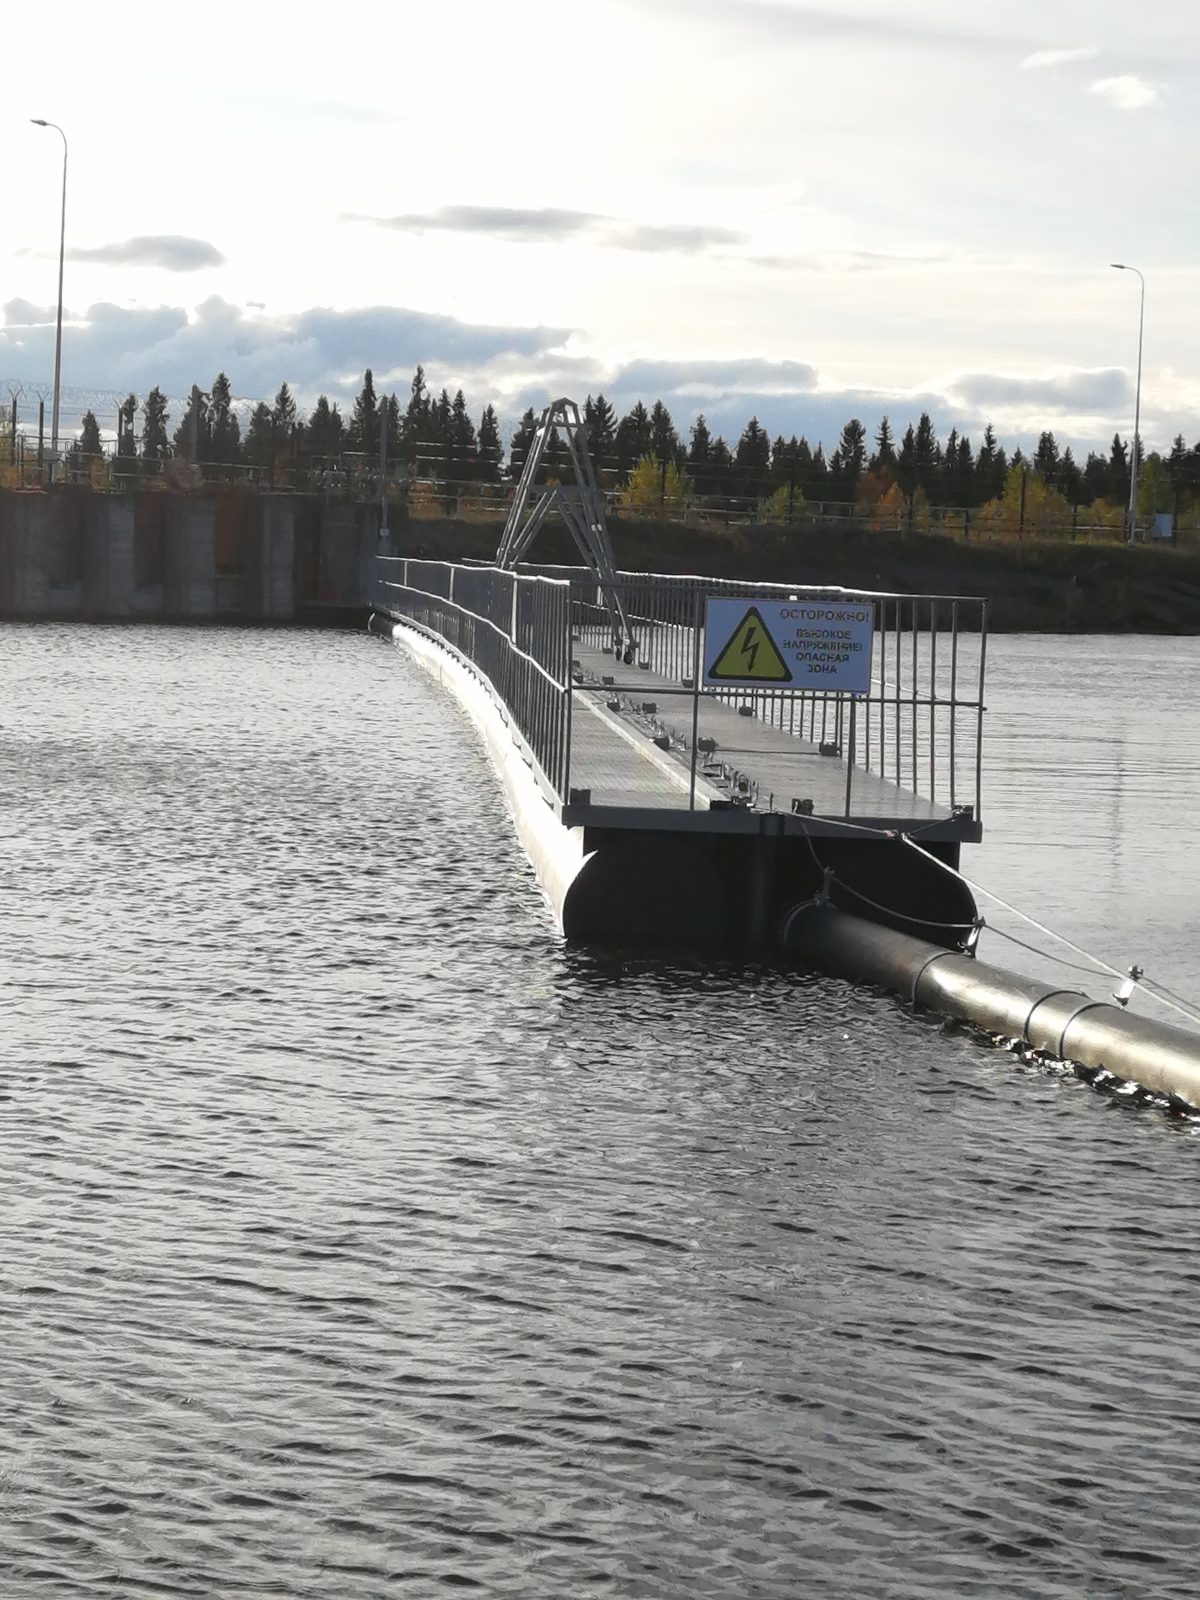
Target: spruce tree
<point x="664" y="440"/>
<point x="363" y="430"/>
<point x="521" y="440"/>
<point x="260" y="438"/>
<point x="89" y="446"/>
<point x="753" y="457"/>
<point x="601" y="423"/>
<point x="926" y="456"/>
<point x="633" y="438"/>
<point x="1046" y="458"/>
<point x="225" y="433"/>
<point x="720" y="467"/>
<point x="885" y="448"/>
<point x="126" y="460"/>
<point x="491" y="453"/>
<point x="849" y="461"/>
<point x="906" y="465"/>
<point x="154" y="426"/>
<point x="325" y="431"/>
<point x="462" y="441"/>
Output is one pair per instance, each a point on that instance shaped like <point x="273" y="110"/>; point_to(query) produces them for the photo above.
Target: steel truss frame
<point x="579" y="504"/>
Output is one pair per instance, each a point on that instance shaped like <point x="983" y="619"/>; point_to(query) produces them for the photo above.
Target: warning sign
<point x="750" y="655"/>
<point x="801" y="644"/>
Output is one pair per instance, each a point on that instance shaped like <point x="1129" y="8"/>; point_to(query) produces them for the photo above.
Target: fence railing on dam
<point x="642" y="732"/>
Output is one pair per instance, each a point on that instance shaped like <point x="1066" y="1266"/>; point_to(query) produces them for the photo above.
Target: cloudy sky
<point x="806" y="211"/>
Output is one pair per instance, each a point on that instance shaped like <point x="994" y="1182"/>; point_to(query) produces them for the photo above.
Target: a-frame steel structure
<point x="579" y="504"/>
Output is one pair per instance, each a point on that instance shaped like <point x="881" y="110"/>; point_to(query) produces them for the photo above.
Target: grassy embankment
<point x="1034" y="586"/>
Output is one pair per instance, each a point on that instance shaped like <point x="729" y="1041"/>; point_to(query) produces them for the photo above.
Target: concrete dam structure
<point x="198" y="557"/>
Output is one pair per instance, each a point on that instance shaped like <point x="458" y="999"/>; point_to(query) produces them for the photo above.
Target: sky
<point x="805" y="212"/>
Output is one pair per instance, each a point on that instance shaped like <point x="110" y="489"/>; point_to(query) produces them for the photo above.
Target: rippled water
<point x="361" y="1241"/>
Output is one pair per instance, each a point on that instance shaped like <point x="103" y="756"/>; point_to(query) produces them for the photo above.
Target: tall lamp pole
<point x="1121" y="266"/>
<point x="62" y="243"/>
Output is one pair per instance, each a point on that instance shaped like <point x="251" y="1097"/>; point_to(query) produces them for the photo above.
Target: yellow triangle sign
<point x="751" y="655"/>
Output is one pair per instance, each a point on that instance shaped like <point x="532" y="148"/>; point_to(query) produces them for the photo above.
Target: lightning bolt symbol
<point x="749" y="649"/>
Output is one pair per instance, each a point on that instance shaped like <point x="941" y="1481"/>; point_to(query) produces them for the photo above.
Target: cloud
<point x="174" y="252"/>
<point x="844" y="261"/>
<point x="776" y="22"/>
<point x="1042" y="59"/>
<point x="555" y="225"/>
<point x="1098" y="392"/>
<point x="121" y="348"/>
<point x="111" y="350"/>
<point x="1127" y="92"/>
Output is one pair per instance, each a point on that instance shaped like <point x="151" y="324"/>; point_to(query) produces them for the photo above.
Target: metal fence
<point x="918" y="727"/>
<point x="515" y="630"/>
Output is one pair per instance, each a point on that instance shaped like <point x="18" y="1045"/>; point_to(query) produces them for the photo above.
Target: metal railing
<point x="515" y="630"/>
<point x="918" y="727"/>
<point x="920" y="724"/>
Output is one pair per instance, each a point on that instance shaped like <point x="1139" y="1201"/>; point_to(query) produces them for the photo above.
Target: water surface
<point x="361" y="1241"/>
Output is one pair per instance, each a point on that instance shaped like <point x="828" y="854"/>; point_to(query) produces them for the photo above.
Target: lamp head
<point x="1120" y="265"/>
<point x="39" y="122"/>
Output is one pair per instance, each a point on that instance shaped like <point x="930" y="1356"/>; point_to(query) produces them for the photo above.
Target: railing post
<point x="569" y="689"/>
<point x="849" y="745"/>
<point x="696" y="665"/>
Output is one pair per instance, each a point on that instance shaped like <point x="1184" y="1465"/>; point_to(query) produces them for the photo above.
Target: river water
<point x="361" y="1241"/>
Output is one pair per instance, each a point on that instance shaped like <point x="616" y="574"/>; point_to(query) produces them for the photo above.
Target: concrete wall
<point x="75" y="553"/>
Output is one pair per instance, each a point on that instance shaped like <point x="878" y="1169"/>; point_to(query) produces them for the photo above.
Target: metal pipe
<point x="1063" y="1022"/>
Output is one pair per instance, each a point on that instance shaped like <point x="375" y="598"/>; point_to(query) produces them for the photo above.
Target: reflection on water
<point x="363" y="1241"/>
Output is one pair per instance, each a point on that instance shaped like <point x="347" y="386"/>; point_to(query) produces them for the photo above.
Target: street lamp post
<point x="1121" y="266"/>
<point x="62" y="243"/>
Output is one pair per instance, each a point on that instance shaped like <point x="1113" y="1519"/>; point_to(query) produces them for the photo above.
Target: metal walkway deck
<point x="613" y="755"/>
<point x="637" y="745"/>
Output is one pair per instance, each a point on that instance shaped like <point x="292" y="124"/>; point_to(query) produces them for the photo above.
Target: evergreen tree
<point x="753" y="457"/>
<point x="991" y="468"/>
<point x="601" y="424"/>
<point x="633" y="439"/>
<point x="664" y="440"/>
<point x="195" y="417"/>
<point x="260" y="438"/>
<point x="88" y="446"/>
<point x="522" y="439"/>
<point x="848" y="462"/>
<point x="154" y="426"/>
<point x="1046" y="459"/>
<point x="362" y="433"/>
<point x="720" y="467"/>
<point x="926" y="456"/>
<point x="283" y="414"/>
<point x="906" y="465"/>
<point x="324" y="431"/>
<point x="817" y="487"/>
<point x="1097" y="479"/>
<point x="126" y="459"/>
<point x="462" y="441"/>
<point x="1118" y="470"/>
<point x="964" y="475"/>
<point x="490" y="452"/>
<point x="885" y="449"/>
<point x="1069" y="480"/>
<point x="225" y="433"/>
<point x="699" y="442"/>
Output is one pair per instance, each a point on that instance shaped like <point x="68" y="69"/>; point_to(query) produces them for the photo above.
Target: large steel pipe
<point x="1063" y="1022"/>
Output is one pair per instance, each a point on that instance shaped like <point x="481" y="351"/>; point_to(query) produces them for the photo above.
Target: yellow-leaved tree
<point x="656" y="485"/>
<point x="1044" y="507"/>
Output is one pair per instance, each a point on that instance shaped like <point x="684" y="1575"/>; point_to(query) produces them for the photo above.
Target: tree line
<point x="435" y="437"/>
